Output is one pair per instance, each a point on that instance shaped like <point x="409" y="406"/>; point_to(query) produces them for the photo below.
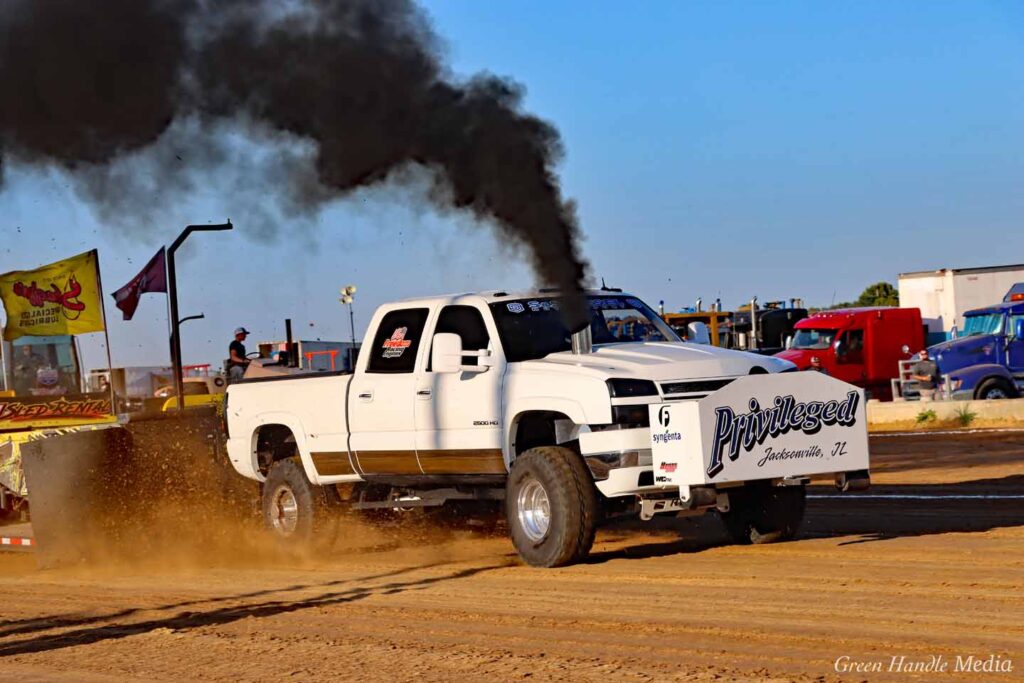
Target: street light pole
<point x="172" y="280"/>
<point x="347" y="297"/>
<point x="201" y="316"/>
<point x="352" y="323"/>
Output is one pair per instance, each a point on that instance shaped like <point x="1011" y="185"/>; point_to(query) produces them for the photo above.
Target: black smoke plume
<point x="87" y="83"/>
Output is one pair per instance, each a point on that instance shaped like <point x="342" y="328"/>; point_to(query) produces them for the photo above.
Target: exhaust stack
<point x="583" y="341"/>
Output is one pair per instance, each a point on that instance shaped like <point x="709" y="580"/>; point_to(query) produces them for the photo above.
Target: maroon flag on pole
<point x="152" y="278"/>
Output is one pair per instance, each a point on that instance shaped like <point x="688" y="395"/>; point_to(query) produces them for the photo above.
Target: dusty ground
<point x="940" y="574"/>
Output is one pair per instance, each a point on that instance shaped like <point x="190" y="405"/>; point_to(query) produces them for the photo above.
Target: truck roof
<point x="841" y="315"/>
<point x="1006" y="307"/>
<point x="497" y="295"/>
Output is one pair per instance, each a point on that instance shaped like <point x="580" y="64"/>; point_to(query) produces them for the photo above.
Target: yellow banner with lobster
<point x="60" y="298"/>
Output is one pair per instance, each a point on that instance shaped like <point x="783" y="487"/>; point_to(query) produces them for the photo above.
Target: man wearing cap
<point x="816" y="366"/>
<point x="237" y="362"/>
<point x="926" y="373"/>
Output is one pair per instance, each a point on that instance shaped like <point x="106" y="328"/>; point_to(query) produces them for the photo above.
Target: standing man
<point x="816" y="366"/>
<point x="926" y="373"/>
<point x="237" y="362"/>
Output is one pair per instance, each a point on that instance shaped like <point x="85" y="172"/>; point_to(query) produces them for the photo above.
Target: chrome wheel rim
<point x="995" y="393"/>
<point x="284" y="511"/>
<point x="533" y="510"/>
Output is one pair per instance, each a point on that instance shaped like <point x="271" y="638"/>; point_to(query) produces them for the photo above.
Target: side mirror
<point x="789" y="342"/>
<point x="840" y="348"/>
<point x="697" y="332"/>
<point x="446" y="353"/>
<point x="1018" y="329"/>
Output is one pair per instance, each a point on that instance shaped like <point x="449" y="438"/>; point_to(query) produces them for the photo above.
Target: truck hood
<point x="965" y="351"/>
<point x="801" y="357"/>
<point x="659" y="361"/>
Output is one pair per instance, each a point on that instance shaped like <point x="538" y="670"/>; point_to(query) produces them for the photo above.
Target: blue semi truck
<point x="986" y="359"/>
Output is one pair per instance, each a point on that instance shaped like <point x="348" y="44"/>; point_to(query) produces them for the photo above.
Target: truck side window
<point x="1013" y="323"/>
<point x="466" y="322"/>
<point x="397" y="341"/>
<point x="855" y="346"/>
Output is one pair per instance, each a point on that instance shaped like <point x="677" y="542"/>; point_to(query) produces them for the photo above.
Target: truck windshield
<point x="807" y="339"/>
<point x="533" y="328"/>
<point x="989" y="323"/>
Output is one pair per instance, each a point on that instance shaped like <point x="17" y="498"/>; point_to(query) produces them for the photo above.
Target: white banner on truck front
<point x="761" y="427"/>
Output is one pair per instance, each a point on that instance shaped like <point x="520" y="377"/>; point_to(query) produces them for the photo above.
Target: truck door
<point x="1015" y="346"/>
<point x="458" y="416"/>
<point x="850" y="365"/>
<point x="381" y="397"/>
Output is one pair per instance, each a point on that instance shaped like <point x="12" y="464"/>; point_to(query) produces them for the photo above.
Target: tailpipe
<point x="582" y="341"/>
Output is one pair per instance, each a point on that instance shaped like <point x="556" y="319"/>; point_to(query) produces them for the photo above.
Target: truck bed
<point x="320" y="427"/>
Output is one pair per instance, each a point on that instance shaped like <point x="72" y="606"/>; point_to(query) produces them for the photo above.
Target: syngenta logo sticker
<point x="666" y="436"/>
<point x="747" y="430"/>
<point x="664" y="418"/>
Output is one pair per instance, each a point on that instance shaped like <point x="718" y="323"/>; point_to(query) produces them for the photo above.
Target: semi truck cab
<point x="986" y="360"/>
<point x="862" y="346"/>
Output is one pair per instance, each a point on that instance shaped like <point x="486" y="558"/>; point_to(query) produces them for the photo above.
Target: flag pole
<point x="106" y="336"/>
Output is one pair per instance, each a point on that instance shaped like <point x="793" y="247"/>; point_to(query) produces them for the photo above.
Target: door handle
<point x="423" y="394"/>
<point x="366" y="396"/>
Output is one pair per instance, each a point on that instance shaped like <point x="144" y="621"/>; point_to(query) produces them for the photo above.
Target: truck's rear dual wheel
<point x="551" y="505"/>
<point x="297" y="513"/>
<point x="762" y="513"/>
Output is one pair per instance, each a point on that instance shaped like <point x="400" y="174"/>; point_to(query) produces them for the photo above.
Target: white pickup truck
<point x="488" y="398"/>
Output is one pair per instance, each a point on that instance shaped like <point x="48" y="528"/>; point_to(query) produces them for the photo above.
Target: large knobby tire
<point x="762" y="513"/>
<point x="551" y="506"/>
<point x="995" y="388"/>
<point x="297" y="513"/>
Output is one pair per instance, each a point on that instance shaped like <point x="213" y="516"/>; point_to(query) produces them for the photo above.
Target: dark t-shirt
<point x="239" y="349"/>
<point x="926" y="367"/>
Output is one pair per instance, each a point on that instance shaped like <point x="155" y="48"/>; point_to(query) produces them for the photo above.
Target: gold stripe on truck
<point x="387" y="462"/>
<point x="332" y="464"/>
<point x="464" y="461"/>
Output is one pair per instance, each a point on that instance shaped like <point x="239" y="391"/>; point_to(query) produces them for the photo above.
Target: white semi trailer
<point x="944" y="295"/>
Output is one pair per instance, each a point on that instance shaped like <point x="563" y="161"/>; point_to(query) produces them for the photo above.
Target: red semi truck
<point x="862" y="346"/>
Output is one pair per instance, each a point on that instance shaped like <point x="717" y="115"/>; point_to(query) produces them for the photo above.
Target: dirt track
<point x="871" y="578"/>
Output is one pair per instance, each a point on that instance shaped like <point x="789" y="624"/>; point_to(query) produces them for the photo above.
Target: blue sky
<point x="714" y="149"/>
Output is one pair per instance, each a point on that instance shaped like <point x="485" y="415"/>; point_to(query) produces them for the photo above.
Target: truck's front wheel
<point x="995" y="388"/>
<point x="295" y="511"/>
<point x="762" y="513"/>
<point x="551" y="506"/>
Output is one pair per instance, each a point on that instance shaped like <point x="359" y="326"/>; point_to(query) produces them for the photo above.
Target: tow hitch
<point x="690" y="498"/>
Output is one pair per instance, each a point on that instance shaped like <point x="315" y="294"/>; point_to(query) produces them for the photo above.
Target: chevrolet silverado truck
<point x="490" y="399"/>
